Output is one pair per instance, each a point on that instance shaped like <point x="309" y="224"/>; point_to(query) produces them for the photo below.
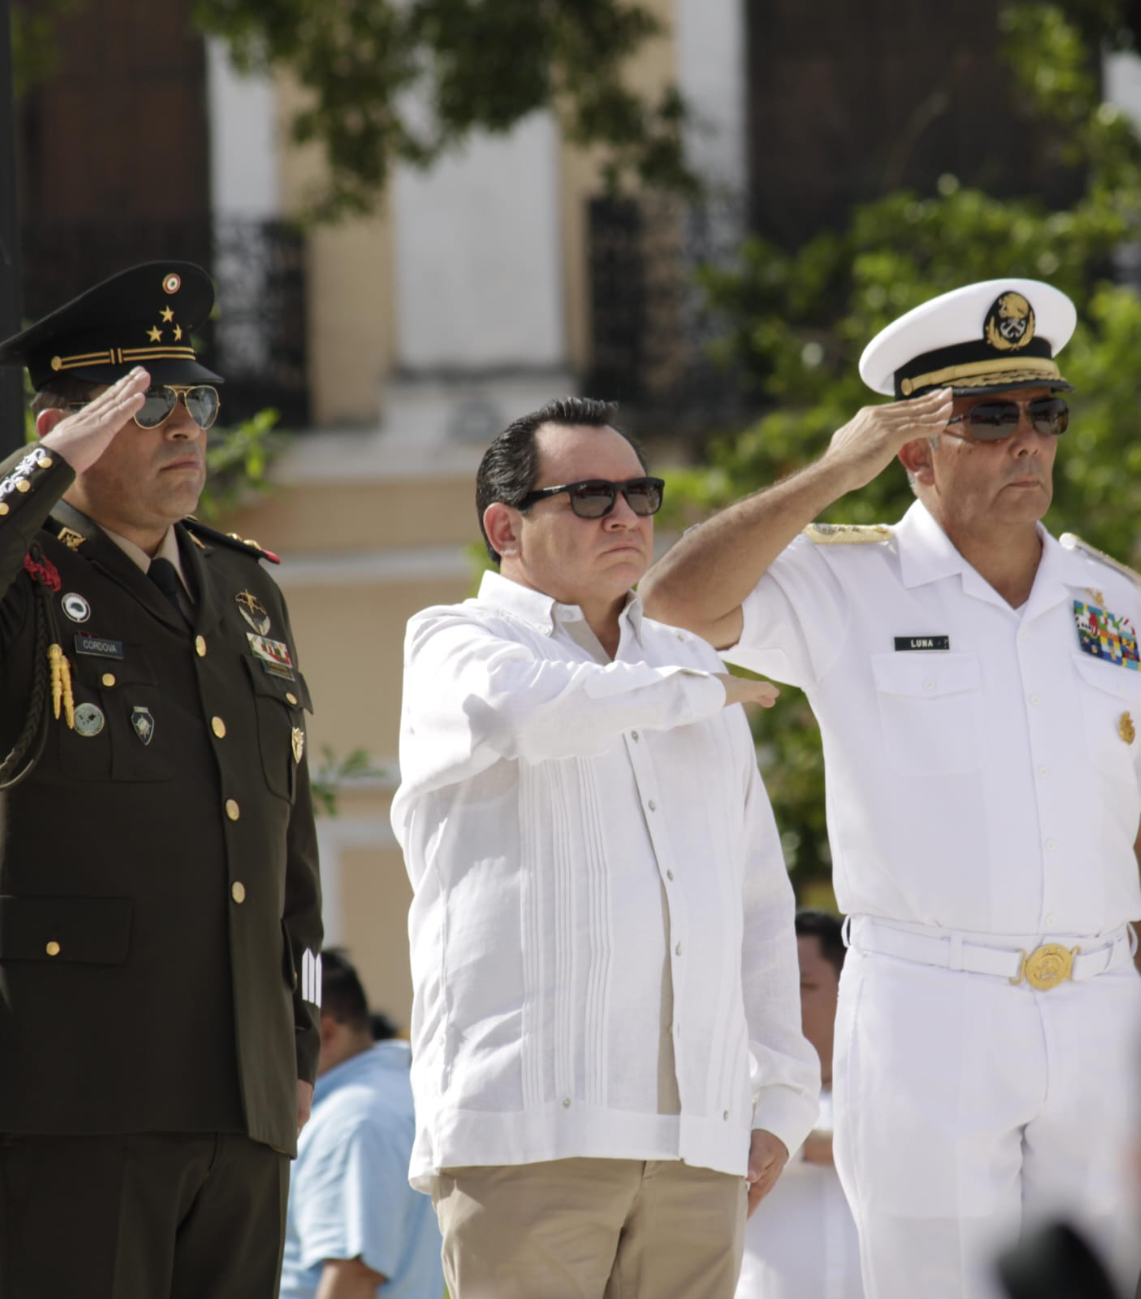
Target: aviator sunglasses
<point x="159" y="403"/>
<point x="594" y="498"/>
<point x="991" y="421"/>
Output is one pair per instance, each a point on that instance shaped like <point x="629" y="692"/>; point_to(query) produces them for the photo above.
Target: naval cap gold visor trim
<point x="1028" y="365"/>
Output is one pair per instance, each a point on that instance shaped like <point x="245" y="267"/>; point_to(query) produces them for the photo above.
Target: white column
<point x="243" y="187"/>
<point x="479" y="309"/>
<point x="709" y="36"/>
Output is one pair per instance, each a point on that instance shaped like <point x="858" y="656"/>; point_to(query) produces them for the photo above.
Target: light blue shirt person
<point x="349" y="1196"/>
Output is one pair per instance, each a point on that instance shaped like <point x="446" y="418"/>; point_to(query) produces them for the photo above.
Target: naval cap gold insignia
<point x="1009" y="323"/>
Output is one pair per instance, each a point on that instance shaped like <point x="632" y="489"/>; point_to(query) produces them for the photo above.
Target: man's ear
<point x="501" y="523"/>
<point x="47" y="419"/>
<point x="915" y="457"/>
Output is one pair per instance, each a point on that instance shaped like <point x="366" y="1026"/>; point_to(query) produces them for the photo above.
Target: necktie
<point x="162" y="574"/>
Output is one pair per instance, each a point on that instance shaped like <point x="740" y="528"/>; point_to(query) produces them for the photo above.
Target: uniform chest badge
<point x="1009" y="323"/>
<point x="1105" y="635"/>
<point x="88" y="720"/>
<point x="143" y="723"/>
<point x="253" y="611"/>
<point x="298" y="743"/>
<point x="76" y="607"/>
<point x="70" y="538"/>
<point x="1126" y="729"/>
<point x="274" y="655"/>
<point x="922" y="642"/>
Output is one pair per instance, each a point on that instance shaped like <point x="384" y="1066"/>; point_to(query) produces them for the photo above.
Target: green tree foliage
<point x="798" y="320"/>
<point x="388" y="80"/>
<point x="408" y="79"/>
<point x="33" y="44"/>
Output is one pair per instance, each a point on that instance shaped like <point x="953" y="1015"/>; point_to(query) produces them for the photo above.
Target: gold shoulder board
<point x="846" y="534"/>
<point x="1073" y="542"/>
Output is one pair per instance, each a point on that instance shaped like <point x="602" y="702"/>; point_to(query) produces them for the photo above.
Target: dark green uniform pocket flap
<point x="95" y="930"/>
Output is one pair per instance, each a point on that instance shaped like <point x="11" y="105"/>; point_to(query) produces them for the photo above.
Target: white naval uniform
<point x="801" y="1242"/>
<point x="982" y="797"/>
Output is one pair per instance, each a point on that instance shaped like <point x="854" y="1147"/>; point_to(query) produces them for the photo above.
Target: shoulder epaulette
<point x="847" y="534"/>
<point x="1072" y="541"/>
<point x="199" y="530"/>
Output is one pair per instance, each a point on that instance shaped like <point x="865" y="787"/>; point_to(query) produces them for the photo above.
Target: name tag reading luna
<point x="1107" y="636"/>
<point x="274" y="655"/>
<point x="923" y="642"/>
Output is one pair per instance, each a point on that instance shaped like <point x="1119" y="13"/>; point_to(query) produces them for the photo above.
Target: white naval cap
<point x="980" y="338"/>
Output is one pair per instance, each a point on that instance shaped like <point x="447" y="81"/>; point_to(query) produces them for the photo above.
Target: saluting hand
<point x="82" y="437"/>
<point x="869" y="442"/>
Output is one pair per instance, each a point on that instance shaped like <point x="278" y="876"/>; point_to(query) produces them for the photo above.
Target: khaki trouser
<point x="591" y="1229"/>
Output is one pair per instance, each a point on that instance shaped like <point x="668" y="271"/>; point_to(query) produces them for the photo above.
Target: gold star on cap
<point x="177" y="332"/>
<point x="154" y="334"/>
<point x="167" y="315"/>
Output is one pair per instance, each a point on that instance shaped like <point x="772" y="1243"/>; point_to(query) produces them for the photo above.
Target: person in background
<point x="355" y="1229"/>
<point x="802" y="1243"/>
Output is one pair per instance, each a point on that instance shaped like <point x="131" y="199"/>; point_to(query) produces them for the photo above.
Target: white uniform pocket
<point x="1111" y="707"/>
<point x="931" y="711"/>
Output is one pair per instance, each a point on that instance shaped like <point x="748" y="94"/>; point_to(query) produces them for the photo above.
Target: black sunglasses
<point x="159" y="404"/>
<point x="991" y="421"/>
<point x="594" y="498"/>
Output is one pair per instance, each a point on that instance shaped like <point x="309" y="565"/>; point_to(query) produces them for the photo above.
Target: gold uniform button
<point x="200" y="646"/>
<point x="44" y="462"/>
<point x="3" y="508"/>
<point x="233" y="811"/>
<point x="52" y="948"/>
<point x="22" y="485"/>
<point x="238" y="891"/>
<point x="108" y="678"/>
<point x="291" y="696"/>
<point x="218" y="727"/>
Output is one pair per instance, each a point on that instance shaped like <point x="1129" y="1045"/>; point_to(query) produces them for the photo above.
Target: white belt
<point x="1044" y="968"/>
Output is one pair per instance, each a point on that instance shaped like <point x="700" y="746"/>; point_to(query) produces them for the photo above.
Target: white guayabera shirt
<point x="602" y="946"/>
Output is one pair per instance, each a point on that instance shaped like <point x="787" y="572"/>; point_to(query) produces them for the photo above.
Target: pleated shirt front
<point x="590" y="845"/>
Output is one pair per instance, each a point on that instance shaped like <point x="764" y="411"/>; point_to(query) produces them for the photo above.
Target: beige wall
<point x="352" y="517"/>
<point x="351" y="322"/>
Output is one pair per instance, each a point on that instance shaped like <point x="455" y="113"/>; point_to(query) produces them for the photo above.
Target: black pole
<point x="11" y="319"/>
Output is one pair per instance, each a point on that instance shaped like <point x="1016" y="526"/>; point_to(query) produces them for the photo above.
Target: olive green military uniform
<point x="159" y="917"/>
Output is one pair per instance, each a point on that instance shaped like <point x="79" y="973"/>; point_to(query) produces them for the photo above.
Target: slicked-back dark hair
<point x="342" y="993"/>
<point x="510" y="466"/>
<point x="825" y="927"/>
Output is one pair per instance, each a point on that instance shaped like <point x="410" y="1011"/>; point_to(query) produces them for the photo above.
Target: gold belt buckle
<point x="1047" y="966"/>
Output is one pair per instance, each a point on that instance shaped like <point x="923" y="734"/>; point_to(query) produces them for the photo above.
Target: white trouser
<point x="967" y="1106"/>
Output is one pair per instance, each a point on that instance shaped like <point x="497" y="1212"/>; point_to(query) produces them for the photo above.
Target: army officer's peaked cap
<point x="142" y="316"/>
<point x="985" y="337"/>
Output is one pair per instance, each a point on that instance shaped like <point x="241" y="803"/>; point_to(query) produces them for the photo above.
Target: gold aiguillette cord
<point x="61" y="685"/>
